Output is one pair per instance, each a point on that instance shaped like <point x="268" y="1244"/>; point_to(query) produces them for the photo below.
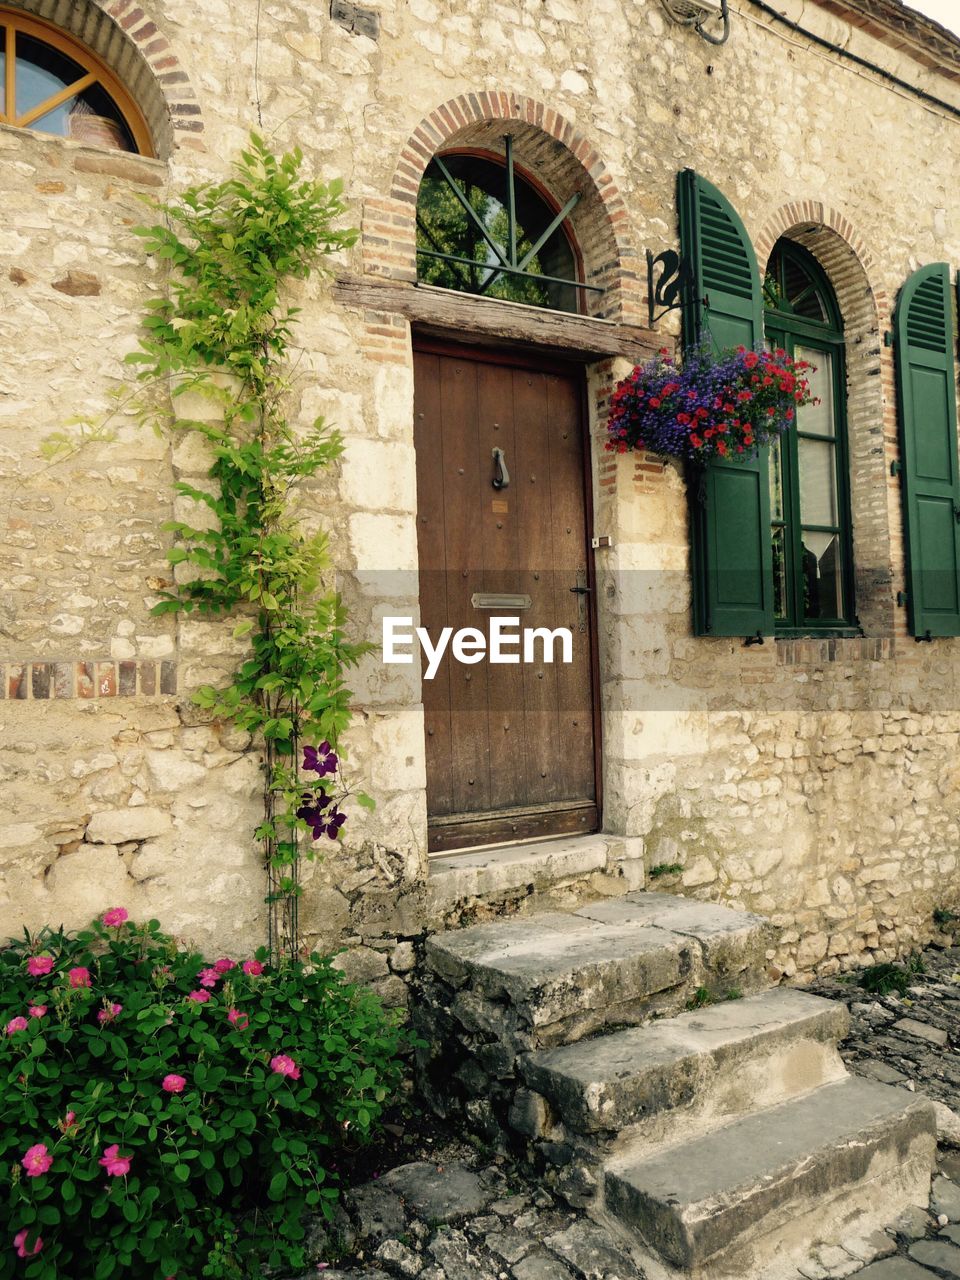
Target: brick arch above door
<point x="601" y="221"/>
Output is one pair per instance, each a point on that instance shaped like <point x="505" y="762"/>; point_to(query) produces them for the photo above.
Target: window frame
<point x="786" y="329"/>
<point x="13" y="21"/>
<point x="506" y="161"/>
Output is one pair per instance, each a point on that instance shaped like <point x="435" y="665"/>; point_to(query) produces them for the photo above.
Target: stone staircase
<point x="632" y="1047"/>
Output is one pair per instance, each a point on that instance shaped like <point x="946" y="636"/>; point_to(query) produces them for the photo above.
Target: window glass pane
<point x="818" y="419"/>
<point x="822" y="575"/>
<point x="94" y="118"/>
<point x="776" y="479"/>
<point x="41" y="73"/>
<point x="445" y="226"/>
<point x="801" y="292"/>
<point x="779" y="574"/>
<point x="818" y="482"/>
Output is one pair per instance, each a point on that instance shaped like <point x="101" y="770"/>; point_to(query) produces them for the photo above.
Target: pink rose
<point x="199" y="997"/>
<point x="109" y="1013"/>
<point x="239" y="1020"/>
<point x="15" y="1025"/>
<point x="173" y="1083"/>
<point x="37" y="966"/>
<point x="79" y="977"/>
<point x="208" y="977"/>
<point x="68" y="1122"/>
<point x="37" y="1010"/>
<point x="116" y="1165"/>
<point x="285" y="1066"/>
<point x="224" y="965"/>
<point x="20" y="1244"/>
<point x="115" y="917"/>
<point x="37" y="1160"/>
<point x="253" y="967"/>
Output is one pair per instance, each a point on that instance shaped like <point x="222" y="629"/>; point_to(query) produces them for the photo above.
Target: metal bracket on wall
<point x="665" y="290"/>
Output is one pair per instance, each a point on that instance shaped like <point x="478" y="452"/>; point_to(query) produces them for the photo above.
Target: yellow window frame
<point x="95" y="69"/>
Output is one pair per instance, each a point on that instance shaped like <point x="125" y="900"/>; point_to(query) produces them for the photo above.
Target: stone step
<point x="564" y="975"/>
<point x="696" y="1069"/>
<point x="763" y="1186"/>
<point x="541" y="875"/>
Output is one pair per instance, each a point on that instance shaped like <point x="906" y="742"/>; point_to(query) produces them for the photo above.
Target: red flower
<point x="752" y="359"/>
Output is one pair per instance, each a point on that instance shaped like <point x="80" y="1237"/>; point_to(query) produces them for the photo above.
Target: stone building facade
<point x="813" y="778"/>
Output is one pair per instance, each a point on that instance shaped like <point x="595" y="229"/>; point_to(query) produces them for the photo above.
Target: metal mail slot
<point x="491" y="600"/>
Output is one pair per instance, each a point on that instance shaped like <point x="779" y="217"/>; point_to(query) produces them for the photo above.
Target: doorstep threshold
<point x="495" y="872"/>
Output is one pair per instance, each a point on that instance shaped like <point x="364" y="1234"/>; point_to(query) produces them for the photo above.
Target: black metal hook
<point x="501" y="476"/>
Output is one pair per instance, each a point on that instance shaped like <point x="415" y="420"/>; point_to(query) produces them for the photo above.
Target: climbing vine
<point x="223" y="330"/>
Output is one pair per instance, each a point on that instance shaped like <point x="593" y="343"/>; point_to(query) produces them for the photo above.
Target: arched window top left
<point x="55" y="85"/>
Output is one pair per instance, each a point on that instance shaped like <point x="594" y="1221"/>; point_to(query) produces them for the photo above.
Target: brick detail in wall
<point x="130" y="40"/>
<point x="599" y="223"/>
<point x="42" y="681"/>
<point x="815" y="653"/>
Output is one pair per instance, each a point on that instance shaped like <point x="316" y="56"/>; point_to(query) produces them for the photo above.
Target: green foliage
<point x="222" y="1173"/>
<point x="700" y="999"/>
<point x="945" y="919"/>
<point x="882" y="979"/>
<point x="223" y="332"/>
<point x="665" y="869"/>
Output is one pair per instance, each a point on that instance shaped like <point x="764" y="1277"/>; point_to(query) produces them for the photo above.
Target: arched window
<point x="485" y="227"/>
<point x="55" y="85"/>
<point x="809" y="494"/>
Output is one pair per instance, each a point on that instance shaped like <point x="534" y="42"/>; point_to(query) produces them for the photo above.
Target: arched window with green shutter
<point x="730" y="502"/>
<point x="927" y="403"/>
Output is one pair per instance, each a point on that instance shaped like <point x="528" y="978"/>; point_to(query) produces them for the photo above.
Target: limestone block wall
<point x="815" y="782"/>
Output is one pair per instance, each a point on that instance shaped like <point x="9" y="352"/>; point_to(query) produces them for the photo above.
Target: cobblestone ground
<point x="454" y="1215"/>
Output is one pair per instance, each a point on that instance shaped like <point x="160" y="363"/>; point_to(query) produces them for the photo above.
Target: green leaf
<point x="363" y="799"/>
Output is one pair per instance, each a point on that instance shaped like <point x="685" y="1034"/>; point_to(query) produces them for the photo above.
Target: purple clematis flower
<point x="322" y="760"/>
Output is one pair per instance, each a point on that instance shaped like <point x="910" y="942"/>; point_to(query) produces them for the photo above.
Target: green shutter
<point x="732" y="548"/>
<point x="927" y="402"/>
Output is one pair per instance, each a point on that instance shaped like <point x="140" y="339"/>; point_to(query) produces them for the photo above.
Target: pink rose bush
<point x="116" y="1165"/>
<point x="37" y="1160"/>
<point x="101" y="1126"/>
<point x="285" y="1066"/>
<point x="20" y="1244"/>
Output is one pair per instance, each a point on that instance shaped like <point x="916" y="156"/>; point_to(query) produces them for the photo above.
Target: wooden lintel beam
<point x="475" y="319"/>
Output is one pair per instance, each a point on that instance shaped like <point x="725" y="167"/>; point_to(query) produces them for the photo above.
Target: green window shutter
<point x="732" y="546"/>
<point x="927" y="403"/>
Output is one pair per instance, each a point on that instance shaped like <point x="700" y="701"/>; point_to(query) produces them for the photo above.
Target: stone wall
<point x="815" y="782"/>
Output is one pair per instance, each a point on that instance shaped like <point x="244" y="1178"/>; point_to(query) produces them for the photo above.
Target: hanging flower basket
<point x="725" y="406"/>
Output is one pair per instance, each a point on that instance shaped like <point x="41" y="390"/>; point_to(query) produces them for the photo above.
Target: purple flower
<point x="322" y="760"/>
<point x="729" y="405"/>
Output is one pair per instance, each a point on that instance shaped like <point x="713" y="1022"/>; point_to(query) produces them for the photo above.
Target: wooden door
<point x="511" y="749"/>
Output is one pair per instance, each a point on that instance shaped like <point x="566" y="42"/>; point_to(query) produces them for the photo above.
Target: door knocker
<point x="501" y="476"/>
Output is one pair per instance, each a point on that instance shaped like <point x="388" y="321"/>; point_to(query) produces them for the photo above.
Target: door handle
<point x="581" y="591"/>
<point x="501" y="476"/>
